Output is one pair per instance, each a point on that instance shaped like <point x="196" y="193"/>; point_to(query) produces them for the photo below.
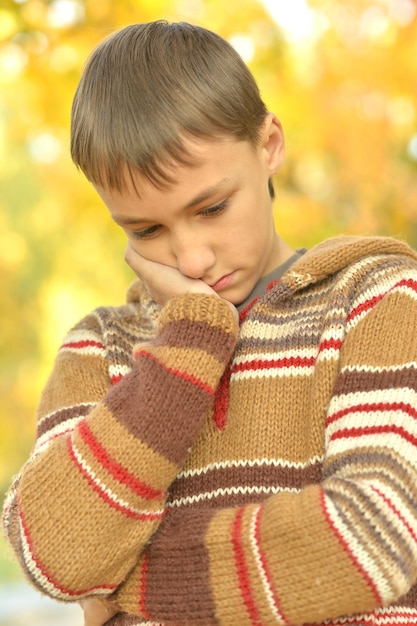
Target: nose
<point x="194" y="256"/>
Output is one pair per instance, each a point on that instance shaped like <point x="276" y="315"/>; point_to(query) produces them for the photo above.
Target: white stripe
<point x="385" y="523"/>
<point x="227" y="464"/>
<point x="364" y="558"/>
<point x="275" y="356"/>
<point x="228" y="491"/>
<point x="391" y="442"/>
<point x="409" y="515"/>
<point x="58" y="431"/>
<point x="86" y="351"/>
<point x="356" y="417"/>
<point x="111" y="495"/>
<point x="359" y="265"/>
<point x="280" y="372"/>
<point x="328" y="354"/>
<point x="378" y="370"/>
<point x="65" y="408"/>
<point x="252" y="329"/>
<point x="388" y="289"/>
<point x="382" y="616"/>
<point x="258" y="559"/>
<point x="82" y="335"/>
<point x="119" y="370"/>
<point x="407" y="529"/>
<point x="334" y="333"/>
<point x="398" y="418"/>
<point x="408" y="291"/>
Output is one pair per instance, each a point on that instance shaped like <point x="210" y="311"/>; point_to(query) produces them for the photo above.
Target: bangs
<point x="146" y="90"/>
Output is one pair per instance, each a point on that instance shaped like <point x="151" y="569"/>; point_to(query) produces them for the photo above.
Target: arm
<point x="88" y="502"/>
<point x="347" y="545"/>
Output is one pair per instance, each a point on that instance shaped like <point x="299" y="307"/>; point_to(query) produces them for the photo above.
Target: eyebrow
<point x="204" y="195"/>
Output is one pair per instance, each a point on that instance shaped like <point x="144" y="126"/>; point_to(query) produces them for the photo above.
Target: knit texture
<point x="236" y="476"/>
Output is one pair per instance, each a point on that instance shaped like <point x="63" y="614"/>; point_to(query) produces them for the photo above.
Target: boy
<point x="237" y="444"/>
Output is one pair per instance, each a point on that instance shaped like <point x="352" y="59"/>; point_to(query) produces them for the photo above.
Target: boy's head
<point x="149" y="87"/>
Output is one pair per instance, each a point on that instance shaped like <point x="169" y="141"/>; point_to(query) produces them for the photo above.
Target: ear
<point x="272" y="143"/>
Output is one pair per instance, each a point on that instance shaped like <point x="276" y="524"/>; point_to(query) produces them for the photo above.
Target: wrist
<point x="200" y="307"/>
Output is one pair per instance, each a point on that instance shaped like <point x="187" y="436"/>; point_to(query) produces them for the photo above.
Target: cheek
<point x="154" y="250"/>
<point x="253" y="235"/>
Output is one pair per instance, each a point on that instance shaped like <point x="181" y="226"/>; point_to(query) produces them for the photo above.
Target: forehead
<point x="208" y="166"/>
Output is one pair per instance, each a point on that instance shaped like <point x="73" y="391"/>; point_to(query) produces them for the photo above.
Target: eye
<point x="146" y="233"/>
<point x="215" y="210"/>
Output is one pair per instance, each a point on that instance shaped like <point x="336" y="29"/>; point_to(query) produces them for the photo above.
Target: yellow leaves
<point x="13" y="250"/>
<point x="8" y="24"/>
<point x="13" y="61"/>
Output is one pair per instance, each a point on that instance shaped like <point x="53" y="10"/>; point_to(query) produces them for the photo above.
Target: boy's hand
<point x="163" y="282"/>
<point x="96" y="612"/>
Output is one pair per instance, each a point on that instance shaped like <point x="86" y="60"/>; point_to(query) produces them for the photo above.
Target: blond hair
<point x="149" y="86"/>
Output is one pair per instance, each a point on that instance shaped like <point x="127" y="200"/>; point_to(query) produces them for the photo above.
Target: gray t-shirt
<point x="262" y="284"/>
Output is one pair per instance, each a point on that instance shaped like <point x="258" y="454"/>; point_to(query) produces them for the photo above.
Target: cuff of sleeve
<point x="200" y="307"/>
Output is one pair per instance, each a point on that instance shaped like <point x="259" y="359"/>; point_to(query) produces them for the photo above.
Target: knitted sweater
<point x="202" y="472"/>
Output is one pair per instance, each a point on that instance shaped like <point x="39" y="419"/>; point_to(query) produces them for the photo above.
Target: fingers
<point x="96" y="611"/>
<point x="162" y="281"/>
<point x="133" y="259"/>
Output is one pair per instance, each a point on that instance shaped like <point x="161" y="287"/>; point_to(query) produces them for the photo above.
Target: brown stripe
<point x="178" y="581"/>
<point x="62" y="416"/>
<point x="200" y="335"/>
<point x="235" y="477"/>
<point x="160" y="409"/>
<point x="369" y="381"/>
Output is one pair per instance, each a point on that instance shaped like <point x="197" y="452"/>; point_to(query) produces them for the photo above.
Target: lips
<point x="222" y="283"/>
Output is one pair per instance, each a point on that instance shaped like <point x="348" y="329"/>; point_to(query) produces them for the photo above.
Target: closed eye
<point x="146" y="233"/>
<point x="215" y="210"/>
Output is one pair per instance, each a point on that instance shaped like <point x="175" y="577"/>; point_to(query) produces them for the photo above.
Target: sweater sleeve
<point x="347" y="545"/>
<point x="94" y="490"/>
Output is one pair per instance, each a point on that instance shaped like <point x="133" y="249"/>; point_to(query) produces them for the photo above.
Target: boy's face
<point x="215" y="221"/>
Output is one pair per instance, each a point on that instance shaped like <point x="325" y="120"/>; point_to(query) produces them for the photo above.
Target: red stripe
<point x="265" y="566"/>
<point x="116" y="378"/>
<point x="86" y="343"/>
<point x="408" y="282"/>
<point x="372" y="407"/>
<point x="261" y="364"/>
<point x="244" y="313"/>
<point x="102" y="493"/>
<point x="221" y="400"/>
<point x="348" y="551"/>
<point x="330" y="344"/>
<point x="242" y="570"/>
<point x="396" y="511"/>
<point x="369" y="304"/>
<point x="364" y="306"/>
<point x="180" y="374"/>
<point x="45" y="574"/>
<point x="347" y="433"/>
<point x="114" y="468"/>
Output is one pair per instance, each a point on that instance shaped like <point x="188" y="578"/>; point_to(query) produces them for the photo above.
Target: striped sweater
<point x="195" y="470"/>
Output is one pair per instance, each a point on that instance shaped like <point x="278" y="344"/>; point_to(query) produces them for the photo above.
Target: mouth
<point x="222" y="282"/>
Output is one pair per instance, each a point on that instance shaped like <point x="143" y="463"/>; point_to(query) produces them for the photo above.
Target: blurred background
<point x="341" y="76"/>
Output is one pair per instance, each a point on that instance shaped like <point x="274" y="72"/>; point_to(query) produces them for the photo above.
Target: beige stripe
<point x="308" y="564"/>
<point x="135" y="456"/>
<point x="200" y="363"/>
<point x="225" y="584"/>
<point x="68" y="557"/>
